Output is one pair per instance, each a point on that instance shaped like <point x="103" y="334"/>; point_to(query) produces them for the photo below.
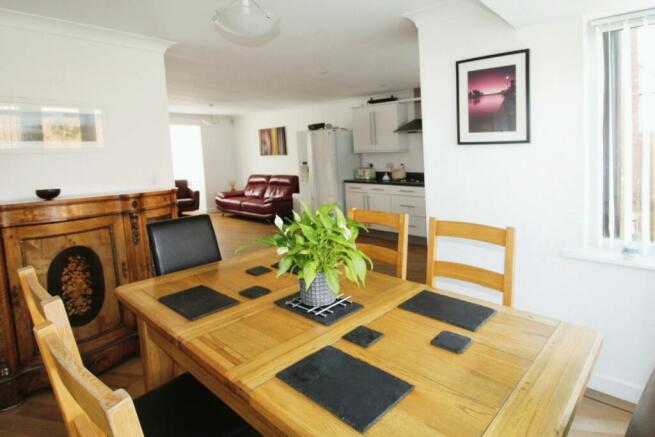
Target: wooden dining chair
<point x="180" y="407"/>
<point x="399" y="222"/>
<point x="642" y="423"/>
<point x="503" y="237"/>
<point x="182" y="243"/>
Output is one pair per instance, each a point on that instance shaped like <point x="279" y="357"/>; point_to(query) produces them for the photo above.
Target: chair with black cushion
<point x="642" y="423"/>
<point x="182" y="243"/>
<point x="181" y="407"/>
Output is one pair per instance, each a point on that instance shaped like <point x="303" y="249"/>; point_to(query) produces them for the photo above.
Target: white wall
<point x="45" y="61"/>
<point x="338" y="113"/>
<point x="219" y="152"/>
<point x="539" y="188"/>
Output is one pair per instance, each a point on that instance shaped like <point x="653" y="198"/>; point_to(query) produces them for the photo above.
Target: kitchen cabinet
<point x="356" y="199"/>
<point x="390" y="198"/>
<point x="374" y="126"/>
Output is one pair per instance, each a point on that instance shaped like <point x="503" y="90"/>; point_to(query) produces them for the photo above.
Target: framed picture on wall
<point x="273" y="141"/>
<point x="28" y="127"/>
<point x="493" y="99"/>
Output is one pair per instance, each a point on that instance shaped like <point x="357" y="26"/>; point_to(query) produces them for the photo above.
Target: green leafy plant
<point x="320" y="242"/>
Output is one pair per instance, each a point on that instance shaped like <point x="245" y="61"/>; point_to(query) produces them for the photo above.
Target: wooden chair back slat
<point x="464" y="272"/>
<point x="379" y="253"/>
<point x="400" y="222"/>
<point x="89" y="407"/>
<point x="112" y="413"/>
<point x="472" y="231"/>
<point x="503" y="282"/>
<point x="43" y="306"/>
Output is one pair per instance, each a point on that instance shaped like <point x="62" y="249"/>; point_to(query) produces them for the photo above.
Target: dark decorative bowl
<point x="48" y="194"/>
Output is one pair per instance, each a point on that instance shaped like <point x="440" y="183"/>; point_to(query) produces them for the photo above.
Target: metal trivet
<point x="325" y="315"/>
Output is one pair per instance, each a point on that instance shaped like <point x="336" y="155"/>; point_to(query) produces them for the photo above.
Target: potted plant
<point x="319" y="246"/>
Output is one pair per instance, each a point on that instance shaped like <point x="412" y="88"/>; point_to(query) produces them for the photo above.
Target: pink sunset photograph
<point x="492" y="99"/>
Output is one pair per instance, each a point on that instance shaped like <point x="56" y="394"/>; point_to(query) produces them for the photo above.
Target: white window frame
<point x="597" y="247"/>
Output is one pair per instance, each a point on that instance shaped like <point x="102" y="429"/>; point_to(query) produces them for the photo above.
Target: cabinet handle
<point x="377" y="189"/>
<point x="407" y="191"/>
<point x="408" y="206"/>
<point x="375" y="129"/>
<point x="370" y="127"/>
<point x="412" y="226"/>
<point x="15" y="293"/>
<point x="124" y="269"/>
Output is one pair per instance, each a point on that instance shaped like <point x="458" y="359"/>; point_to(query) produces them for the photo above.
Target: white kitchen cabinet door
<point x="379" y="202"/>
<point x="355" y="200"/>
<point x="363" y="130"/>
<point x="374" y="126"/>
<point x="386" y="119"/>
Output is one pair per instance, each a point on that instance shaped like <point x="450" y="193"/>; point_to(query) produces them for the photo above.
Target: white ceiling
<point x="520" y="13"/>
<point x="326" y="49"/>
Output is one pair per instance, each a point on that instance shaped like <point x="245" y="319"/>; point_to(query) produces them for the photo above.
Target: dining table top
<point x="523" y="374"/>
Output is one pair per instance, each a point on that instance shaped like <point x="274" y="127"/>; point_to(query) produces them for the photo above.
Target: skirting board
<point x="614" y="387"/>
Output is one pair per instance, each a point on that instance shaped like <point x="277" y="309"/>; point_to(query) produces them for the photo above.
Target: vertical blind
<point x="626" y="45"/>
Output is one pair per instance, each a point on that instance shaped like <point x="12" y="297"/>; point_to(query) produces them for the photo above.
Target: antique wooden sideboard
<point x="82" y="249"/>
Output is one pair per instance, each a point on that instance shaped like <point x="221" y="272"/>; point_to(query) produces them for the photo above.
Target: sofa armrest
<point x="225" y="194"/>
<point x="195" y="195"/>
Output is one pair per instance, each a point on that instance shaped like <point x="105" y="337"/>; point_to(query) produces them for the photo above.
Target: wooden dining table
<point x="523" y="375"/>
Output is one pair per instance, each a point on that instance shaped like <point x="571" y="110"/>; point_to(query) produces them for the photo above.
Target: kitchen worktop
<point x="406" y="183"/>
<point x="414" y="179"/>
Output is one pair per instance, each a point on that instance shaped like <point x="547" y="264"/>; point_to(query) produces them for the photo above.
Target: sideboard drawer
<point x="407" y="191"/>
<point x="414" y="206"/>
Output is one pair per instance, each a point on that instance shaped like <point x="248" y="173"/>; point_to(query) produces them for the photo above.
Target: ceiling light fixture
<point x="246" y="18"/>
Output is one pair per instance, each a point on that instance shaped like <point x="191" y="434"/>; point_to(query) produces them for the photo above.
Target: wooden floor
<point x="598" y="415"/>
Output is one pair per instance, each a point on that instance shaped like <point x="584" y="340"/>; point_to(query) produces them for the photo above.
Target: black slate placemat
<point x="451" y="341"/>
<point x="351" y="389"/>
<point x="258" y="270"/>
<point x="363" y="336"/>
<point x="337" y="313"/>
<point x="197" y="302"/>
<point x="254" y="292"/>
<point x="460" y="313"/>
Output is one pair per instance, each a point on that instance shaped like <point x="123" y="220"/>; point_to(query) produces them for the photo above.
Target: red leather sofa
<point x="264" y="197"/>
<point x="187" y="199"/>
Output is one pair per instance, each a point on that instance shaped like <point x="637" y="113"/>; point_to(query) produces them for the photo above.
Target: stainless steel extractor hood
<point x="415" y="125"/>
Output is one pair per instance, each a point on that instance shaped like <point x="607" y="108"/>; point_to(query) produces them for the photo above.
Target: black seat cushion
<point x="184" y="407"/>
<point x="642" y="423"/>
<point x="182" y="243"/>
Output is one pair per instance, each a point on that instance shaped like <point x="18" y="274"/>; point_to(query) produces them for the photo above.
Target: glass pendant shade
<point x="246" y="18"/>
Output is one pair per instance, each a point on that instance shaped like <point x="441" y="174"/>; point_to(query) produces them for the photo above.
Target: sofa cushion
<point x="256" y="186"/>
<point x="231" y="203"/>
<point x="281" y="186"/>
<point x="256" y="206"/>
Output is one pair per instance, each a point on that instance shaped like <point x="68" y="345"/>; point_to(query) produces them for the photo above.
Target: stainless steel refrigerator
<point x="325" y="160"/>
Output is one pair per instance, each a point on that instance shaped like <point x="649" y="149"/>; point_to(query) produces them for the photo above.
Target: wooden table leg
<point x="158" y="367"/>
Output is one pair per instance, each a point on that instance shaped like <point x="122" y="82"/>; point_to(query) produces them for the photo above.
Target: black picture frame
<point x="521" y="93"/>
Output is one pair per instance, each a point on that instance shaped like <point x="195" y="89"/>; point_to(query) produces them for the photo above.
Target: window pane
<point x="628" y="140"/>
<point x="611" y="136"/>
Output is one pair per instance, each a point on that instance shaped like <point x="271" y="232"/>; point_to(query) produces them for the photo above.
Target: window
<point x="188" y="161"/>
<point x="628" y="125"/>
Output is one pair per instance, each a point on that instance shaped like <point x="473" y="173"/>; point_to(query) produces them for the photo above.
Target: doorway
<point x="188" y="162"/>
